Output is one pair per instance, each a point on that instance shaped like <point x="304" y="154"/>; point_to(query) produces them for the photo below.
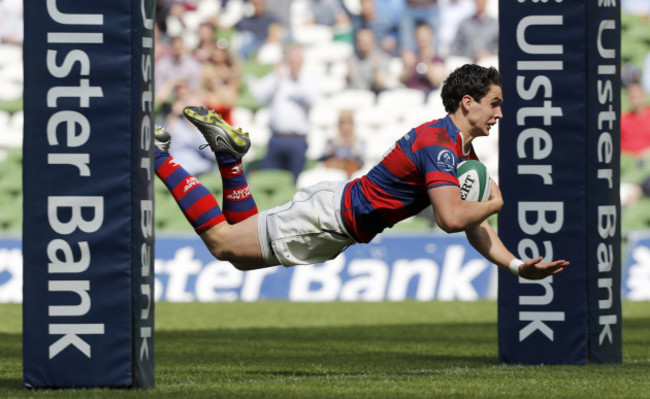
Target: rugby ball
<point x="474" y="181"/>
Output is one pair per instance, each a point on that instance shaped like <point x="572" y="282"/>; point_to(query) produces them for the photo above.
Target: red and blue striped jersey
<point x="396" y="188"/>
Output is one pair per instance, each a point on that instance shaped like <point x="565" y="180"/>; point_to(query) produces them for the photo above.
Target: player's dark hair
<point x="471" y="79"/>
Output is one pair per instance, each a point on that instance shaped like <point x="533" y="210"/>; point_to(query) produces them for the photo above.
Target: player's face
<point x="485" y="113"/>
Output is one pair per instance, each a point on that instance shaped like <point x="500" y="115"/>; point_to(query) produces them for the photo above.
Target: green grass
<point x="355" y="350"/>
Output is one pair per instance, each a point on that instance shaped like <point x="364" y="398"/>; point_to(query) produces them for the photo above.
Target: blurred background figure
<point x="162" y="48"/>
<point x="345" y="151"/>
<point x="220" y="82"/>
<point x="636" y="7"/>
<point x="452" y="13"/>
<point x="635" y="124"/>
<point x="635" y="145"/>
<point x="423" y="70"/>
<point x="271" y="50"/>
<point x="175" y="9"/>
<point x="368" y="68"/>
<point x="11" y="22"/>
<point x="477" y="37"/>
<point x="326" y="12"/>
<point x="207" y="41"/>
<point x="186" y="143"/>
<point x="179" y="65"/>
<point x="382" y="18"/>
<point x="252" y="30"/>
<point x="417" y="12"/>
<point x="289" y="93"/>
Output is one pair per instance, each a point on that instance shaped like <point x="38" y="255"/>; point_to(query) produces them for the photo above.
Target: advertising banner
<point x="440" y="268"/>
<point x="636" y="277"/>
<point x="391" y="268"/>
<point x="603" y="182"/>
<point x="88" y="199"/>
<point x="559" y="179"/>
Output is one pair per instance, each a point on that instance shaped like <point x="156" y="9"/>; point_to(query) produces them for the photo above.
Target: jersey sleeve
<point x="434" y="153"/>
<point x="438" y="164"/>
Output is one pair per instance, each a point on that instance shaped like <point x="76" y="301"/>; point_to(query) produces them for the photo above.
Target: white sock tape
<point x="514" y="266"/>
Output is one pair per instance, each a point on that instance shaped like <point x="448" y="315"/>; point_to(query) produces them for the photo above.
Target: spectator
<point x="635" y="146"/>
<point x="186" y="141"/>
<point x="172" y="8"/>
<point x="207" y="42"/>
<point x="326" y="12"/>
<point x="452" y="13"/>
<point x="424" y="70"/>
<point x="271" y="50"/>
<point x="645" y="74"/>
<point x="253" y="30"/>
<point x="11" y="22"/>
<point x="180" y="64"/>
<point x="368" y="68"/>
<point x="281" y="10"/>
<point x="417" y="12"/>
<point x="478" y="36"/>
<point x="636" y="7"/>
<point x="345" y="151"/>
<point x="382" y="18"/>
<point x="220" y="82"/>
<point x="289" y="93"/>
<point x="161" y="45"/>
<point x="635" y="124"/>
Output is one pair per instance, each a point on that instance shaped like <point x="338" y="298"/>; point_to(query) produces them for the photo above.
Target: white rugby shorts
<point x="307" y="230"/>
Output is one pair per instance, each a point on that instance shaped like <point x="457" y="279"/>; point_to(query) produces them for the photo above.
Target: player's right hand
<point x="534" y="270"/>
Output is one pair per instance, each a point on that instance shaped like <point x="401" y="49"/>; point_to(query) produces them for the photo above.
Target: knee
<point x="213" y="240"/>
<point x="225" y="255"/>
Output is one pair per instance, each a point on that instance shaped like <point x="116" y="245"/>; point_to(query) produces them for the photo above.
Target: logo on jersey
<point x="446" y="161"/>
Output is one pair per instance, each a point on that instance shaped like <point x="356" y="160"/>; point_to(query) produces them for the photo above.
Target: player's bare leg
<point x="236" y="243"/>
<point x="231" y="236"/>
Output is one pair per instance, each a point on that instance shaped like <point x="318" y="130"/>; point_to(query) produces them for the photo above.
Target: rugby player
<point x="322" y="220"/>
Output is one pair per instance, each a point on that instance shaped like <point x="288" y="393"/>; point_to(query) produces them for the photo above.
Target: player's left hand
<point x="534" y="270"/>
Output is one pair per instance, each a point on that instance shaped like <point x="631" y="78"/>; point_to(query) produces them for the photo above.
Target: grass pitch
<point x="353" y="350"/>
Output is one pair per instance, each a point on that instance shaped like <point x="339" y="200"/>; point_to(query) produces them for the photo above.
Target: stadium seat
<point x="328" y="52"/>
<point x="369" y="117"/>
<point x="396" y="102"/>
<point x="242" y="117"/>
<point x="11" y="55"/>
<point x="4" y="120"/>
<point x="419" y="115"/>
<point x="232" y="13"/>
<point x="271" y="187"/>
<point x="434" y="104"/>
<point x="10" y="91"/>
<point x="319" y="174"/>
<point x="11" y="135"/>
<point x="323" y="116"/>
<point x="311" y="35"/>
<point x="492" y="61"/>
<point x="317" y="141"/>
<point x="352" y="99"/>
<point x="455" y="61"/>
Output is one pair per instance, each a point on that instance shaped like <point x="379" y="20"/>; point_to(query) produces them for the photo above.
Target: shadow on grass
<point x="324" y="351"/>
<point x="11" y="376"/>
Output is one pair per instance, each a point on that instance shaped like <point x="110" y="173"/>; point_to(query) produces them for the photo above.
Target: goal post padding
<point x="559" y="174"/>
<point x="88" y="239"/>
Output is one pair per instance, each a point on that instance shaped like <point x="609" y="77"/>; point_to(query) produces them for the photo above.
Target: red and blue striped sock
<point x="238" y="203"/>
<point x="197" y="203"/>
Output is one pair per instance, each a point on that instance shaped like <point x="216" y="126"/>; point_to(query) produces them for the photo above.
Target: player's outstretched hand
<point x="533" y="270"/>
